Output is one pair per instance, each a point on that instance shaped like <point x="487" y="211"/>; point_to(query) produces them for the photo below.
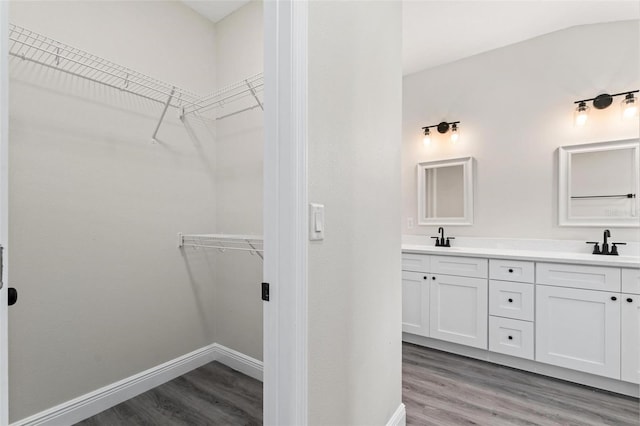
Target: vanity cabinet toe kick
<point x="578" y="317"/>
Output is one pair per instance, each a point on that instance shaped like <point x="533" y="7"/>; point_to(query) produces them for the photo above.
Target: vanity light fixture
<point x="443" y="127"/>
<point x="602" y="101"/>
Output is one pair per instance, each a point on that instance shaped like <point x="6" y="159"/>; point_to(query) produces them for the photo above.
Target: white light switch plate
<point x="316" y="222"/>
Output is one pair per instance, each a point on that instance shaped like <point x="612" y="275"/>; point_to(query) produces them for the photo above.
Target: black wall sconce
<point x="629" y="105"/>
<point x="443" y="128"/>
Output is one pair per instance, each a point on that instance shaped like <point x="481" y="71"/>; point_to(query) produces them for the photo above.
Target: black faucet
<point x="440" y="241"/>
<point x="605" y="245"/>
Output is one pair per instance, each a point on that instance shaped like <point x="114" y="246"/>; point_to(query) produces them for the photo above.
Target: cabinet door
<point x="415" y="303"/>
<point x="630" y="369"/>
<point x="458" y="310"/>
<point x="578" y="329"/>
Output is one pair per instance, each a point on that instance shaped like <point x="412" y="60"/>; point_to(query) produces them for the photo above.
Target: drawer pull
<point x="510" y="270"/>
<point x="629" y="299"/>
<point x="425" y="277"/>
<point x="433" y="278"/>
<point x="614" y="298"/>
<point x="510" y="300"/>
<point x="510" y="337"/>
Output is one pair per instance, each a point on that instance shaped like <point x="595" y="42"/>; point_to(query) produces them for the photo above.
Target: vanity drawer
<point x="511" y="337"/>
<point x="511" y="270"/>
<point x="578" y="276"/>
<point x="631" y="281"/>
<point x="416" y="262"/>
<point x="462" y="266"/>
<point x="511" y="300"/>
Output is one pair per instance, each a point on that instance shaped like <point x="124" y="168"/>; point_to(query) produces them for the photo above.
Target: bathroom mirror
<point x="445" y="192"/>
<point x="598" y="184"/>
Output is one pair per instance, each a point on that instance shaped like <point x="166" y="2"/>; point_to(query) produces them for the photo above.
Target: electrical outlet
<point x="410" y="223"/>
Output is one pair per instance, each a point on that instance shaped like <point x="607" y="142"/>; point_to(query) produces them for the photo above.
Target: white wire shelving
<point x="247" y="88"/>
<point x="34" y="47"/>
<point x="223" y="242"/>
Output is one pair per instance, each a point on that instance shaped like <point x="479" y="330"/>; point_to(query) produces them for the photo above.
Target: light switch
<point x="316" y="222"/>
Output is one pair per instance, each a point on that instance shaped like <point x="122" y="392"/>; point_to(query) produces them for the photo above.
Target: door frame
<point x="285" y="213"/>
<point x="4" y="142"/>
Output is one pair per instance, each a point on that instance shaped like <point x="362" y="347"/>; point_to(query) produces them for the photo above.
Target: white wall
<point x="354" y="292"/>
<point x="516" y="107"/>
<point x="95" y="207"/>
<point x="239" y="152"/>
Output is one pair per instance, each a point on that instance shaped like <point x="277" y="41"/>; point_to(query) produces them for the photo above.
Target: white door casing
<point x="285" y="213"/>
<point x="4" y="142"/>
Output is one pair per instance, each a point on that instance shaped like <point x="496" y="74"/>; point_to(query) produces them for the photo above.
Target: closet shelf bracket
<point x="164" y="112"/>
<point x="223" y="242"/>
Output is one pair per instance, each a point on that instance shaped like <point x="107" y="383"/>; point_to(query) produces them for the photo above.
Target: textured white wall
<point x="239" y="152"/>
<point x="95" y="206"/>
<point x="354" y="291"/>
<point x="516" y="106"/>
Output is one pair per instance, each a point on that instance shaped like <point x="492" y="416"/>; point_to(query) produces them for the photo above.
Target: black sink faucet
<point x="605" y="245"/>
<point x="440" y="241"/>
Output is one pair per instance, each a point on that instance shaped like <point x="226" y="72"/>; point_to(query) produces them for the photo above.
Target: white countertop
<point x="527" y="254"/>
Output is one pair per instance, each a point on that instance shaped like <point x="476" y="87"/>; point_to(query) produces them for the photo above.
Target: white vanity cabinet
<point x="579" y="317"/>
<point x="458" y="310"/>
<point x="443" y="298"/>
<point x="415" y="303"/>
<point x="630" y="326"/>
<point x="511" y="306"/>
<point x="578" y="329"/>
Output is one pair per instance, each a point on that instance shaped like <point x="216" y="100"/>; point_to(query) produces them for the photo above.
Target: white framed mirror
<point x="598" y="184"/>
<point x="445" y="192"/>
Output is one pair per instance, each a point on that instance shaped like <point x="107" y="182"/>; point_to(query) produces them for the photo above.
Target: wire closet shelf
<point x="222" y="242"/>
<point x="34" y="47"/>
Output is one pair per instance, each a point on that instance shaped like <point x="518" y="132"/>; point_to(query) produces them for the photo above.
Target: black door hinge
<point x="265" y="292"/>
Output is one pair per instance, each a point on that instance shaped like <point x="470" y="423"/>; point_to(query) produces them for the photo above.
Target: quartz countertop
<point x="623" y="261"/>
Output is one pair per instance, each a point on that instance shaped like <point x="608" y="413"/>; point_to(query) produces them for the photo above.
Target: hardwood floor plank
<point x="210" y="395"/>
<point x="440" y="388"/>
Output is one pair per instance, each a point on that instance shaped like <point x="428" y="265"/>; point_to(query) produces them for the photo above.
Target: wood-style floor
<point x="438" y="388"/>
<point x="441" y="389"/>
<point x="210" y="395"/>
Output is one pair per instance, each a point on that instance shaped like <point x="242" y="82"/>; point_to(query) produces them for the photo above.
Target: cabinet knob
<point x="510" y="270"/>
<point x="614" y="298"/>
<point x="425" y="277"/>
<point x="510" y="300"/>
<point x="510" y="337"/>
<point x="433" y="278"/>
<point x="629" y="299"/>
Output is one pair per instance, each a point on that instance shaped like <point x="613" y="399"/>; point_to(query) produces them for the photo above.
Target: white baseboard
<point x="238" y="361"/>
<point x="399" y="417"/>
<point x="90" y="404"/>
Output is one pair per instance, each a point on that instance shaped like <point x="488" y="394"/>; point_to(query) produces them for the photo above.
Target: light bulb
<point x="629" y="106"/>
<point x="582" y="113"/>
<point x="427" y="137"/>
<point x="454" y="133"/>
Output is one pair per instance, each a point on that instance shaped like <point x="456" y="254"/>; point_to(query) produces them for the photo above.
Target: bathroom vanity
<point x="557" y="312"/>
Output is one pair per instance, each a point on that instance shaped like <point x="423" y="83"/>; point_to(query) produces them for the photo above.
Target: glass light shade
<point x="454" y="134"/>
<point x="629" y="106"/>
<point x="426" y="140"/>
<point x="581" y="114"/>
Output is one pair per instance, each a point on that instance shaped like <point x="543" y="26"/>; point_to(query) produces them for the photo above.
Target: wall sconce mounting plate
<point x="602" y="101"/>
<point x="443" y="127"/>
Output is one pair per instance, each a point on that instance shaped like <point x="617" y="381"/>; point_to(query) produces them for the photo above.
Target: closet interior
<point x="131" y="123"/>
